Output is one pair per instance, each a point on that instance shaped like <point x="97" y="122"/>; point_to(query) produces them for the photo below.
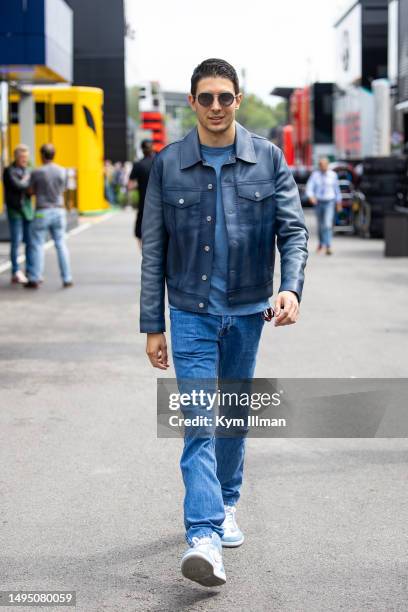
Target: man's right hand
<point x="156" y="350"/>
<point x="313" y="201"/>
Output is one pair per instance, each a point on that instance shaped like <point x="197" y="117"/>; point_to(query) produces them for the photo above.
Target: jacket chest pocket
<point x="255" y="201"/>
<point x="182" y="207"/>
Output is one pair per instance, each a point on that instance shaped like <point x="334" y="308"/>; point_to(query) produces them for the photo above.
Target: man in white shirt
<point x="323" y="191"/>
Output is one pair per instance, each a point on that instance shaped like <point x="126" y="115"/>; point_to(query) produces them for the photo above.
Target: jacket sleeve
<point x="154" y="254"/>
<point x="6" y="181"/>
<point x="291" y="231"/>
<point x="17" y="183"/>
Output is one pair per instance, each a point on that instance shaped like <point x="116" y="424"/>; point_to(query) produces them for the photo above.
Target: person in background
<point x="323" y="191"/>
<point x="140" y="177"/>
<point x="117" y="181"/>
<point x="127" y="169"/>
<point x="19" y="211"/>
<point x="108" y="174"/>
<point x="48" y="183"/>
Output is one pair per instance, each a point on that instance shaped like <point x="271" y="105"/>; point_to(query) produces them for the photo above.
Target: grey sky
<point x="278" y="43"/>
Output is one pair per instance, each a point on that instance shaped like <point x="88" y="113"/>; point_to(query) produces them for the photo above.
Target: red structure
<point x="154" y="122"/>
<point x="309" y="133"/>
<point x="287" y="144"/>
<point x="300" y="114"/>
<point x="152" y="113"/>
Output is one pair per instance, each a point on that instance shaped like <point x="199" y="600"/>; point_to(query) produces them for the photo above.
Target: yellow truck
<point x="71" y="118"/>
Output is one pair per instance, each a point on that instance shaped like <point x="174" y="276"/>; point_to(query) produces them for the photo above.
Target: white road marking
<point x="78" y="230"/>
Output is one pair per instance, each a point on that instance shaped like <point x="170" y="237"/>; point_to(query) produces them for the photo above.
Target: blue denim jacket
<point x="263" y="207"/>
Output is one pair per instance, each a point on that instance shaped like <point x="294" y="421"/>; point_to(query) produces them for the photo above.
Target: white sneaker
<point x="233" y="536"/>
<point x="19" y="278"/>
<point x="203" y="561"/>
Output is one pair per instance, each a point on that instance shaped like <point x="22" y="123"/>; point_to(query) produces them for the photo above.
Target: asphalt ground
<point x="91" y="500"/>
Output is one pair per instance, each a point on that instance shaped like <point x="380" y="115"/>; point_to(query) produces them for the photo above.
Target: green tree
<point x="259" y="117"/>
<point x="188" y="119"/>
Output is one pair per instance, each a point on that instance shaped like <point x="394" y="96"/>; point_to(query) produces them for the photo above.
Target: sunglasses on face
<point x="207" y="99"/>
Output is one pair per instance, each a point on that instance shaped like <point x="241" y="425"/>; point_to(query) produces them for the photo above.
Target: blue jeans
<point x="109" y="193"/>
<point x="325" y="218"/>
<point x="20" y="231"/>
<point x="52" y="220"/>
<point x="206" y="346"/>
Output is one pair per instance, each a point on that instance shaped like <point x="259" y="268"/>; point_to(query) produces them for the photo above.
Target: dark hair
<point x="214" y="68"/>
<point x="145" y="143"/>
<point x="48" y="151"/>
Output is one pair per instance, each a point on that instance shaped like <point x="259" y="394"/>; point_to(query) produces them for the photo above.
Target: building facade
<point x="99" y="61"/>
<point x="362" y="57"/>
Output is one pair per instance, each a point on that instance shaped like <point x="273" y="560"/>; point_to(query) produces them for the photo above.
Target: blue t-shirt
<point x="217" y="299"/>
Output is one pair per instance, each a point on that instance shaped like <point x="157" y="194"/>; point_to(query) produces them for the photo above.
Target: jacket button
<point x="206" y="248"/>
<point x="257" y="194"/>
<point x="209" y="218"/>
<point x="181" y="201"/>
<point x="204" y="277"/>
<point x="210" y="186"/>
<point x="201" y="305"/>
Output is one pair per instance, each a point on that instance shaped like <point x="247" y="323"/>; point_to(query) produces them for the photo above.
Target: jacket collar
<point x="191" y="153"/>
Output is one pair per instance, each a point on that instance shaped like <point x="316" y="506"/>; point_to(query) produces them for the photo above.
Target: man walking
<point x="16" y="180"/>
<point x="140" y="174"/>
<point x="215" y="203"/>
<point x="323" y="191"/>
<point x="48" y="183"/>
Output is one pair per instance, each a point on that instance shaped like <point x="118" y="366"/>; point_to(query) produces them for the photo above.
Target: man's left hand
<point x="286" y="308"/>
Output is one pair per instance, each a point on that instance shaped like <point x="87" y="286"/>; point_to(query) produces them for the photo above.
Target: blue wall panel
<point x="34" y="49"/>
<point x="22" y="32"/>
<point x="24" y="40"/>
<point x="10" y="49"/>
<point x="11" y="16"/>
<point x="35" y="17"/>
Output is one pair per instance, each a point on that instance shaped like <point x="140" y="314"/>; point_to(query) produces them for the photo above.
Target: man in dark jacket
<point x="216" y="203"/>
<point x="140" y="176"/>
<point x="16" y="179"/>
